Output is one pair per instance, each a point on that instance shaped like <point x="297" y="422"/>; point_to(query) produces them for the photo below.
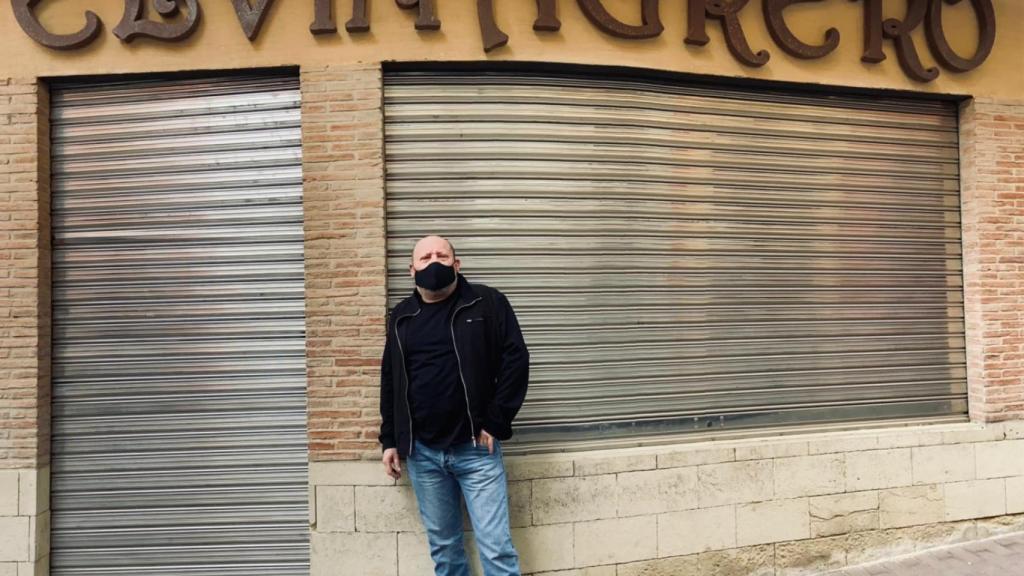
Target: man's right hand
<point x="392" y="464"/>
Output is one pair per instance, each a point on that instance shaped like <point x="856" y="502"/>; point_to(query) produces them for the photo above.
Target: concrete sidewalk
<point x="996" y="556"/>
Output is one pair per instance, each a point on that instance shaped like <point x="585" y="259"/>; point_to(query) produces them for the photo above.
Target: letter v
<point x="251" y="17"/>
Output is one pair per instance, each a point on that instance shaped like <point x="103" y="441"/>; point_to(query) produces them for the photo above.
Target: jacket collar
<point x="465" y="291"/>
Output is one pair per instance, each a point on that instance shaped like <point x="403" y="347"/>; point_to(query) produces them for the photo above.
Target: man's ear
<point x="457" y="265"/>
<point x="412" y="271"/>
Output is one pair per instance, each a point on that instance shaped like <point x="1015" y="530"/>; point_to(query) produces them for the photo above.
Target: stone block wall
<point x="784" y="506"/>
<point x="24" y="522"/>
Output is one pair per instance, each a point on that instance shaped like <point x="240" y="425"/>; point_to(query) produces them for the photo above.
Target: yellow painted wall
<point x="285" y="40"/>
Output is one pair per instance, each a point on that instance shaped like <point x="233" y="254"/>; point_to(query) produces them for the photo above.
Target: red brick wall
<point x="24" y="274"/>
<point x="342" y="139"/>
<point x="992" y="196"/>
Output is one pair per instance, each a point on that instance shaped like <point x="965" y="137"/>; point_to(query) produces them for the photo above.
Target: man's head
<point x="432" y="250"/>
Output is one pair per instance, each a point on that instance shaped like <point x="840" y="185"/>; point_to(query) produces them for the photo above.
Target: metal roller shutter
<point x="686" y="258"/>
<point x="179" y="406"/>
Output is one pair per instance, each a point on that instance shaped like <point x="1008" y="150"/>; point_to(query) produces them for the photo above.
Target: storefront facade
<point x="767" y="260"/>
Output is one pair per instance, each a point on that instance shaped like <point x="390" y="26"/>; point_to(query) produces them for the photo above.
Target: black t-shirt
<point x="439" y="413"/>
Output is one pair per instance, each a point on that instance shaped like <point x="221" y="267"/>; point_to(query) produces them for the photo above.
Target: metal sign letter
<point x="323" y="18"/>
<point x="547" y="20"/>
<point x="359" y="22"/>
<point x="941" y="49"/>
<point x="728" y="12"/>
<point x="492" y="35"/>
<point x="788" y="41"/>
<point x="899" y="31"/>
<point x="604" y="21"/>
<point x="28" y="22"/>
<point x="251" y="17"/>
<point x="872" y="31"/>
<point x="427" y="19"/>
<point x="134" y="25"/>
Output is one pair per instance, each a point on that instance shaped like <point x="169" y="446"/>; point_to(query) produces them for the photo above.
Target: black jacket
<point x="494" y="365"/>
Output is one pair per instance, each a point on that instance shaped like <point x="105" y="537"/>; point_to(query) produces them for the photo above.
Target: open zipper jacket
<point x="494" y="365"/>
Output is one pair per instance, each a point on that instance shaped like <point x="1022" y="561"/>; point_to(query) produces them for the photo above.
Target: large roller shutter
<point x="688" y="258"/>
<point x="179" y="408"/>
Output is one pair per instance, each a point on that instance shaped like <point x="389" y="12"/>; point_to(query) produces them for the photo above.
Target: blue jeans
<point x="440" y="478"/>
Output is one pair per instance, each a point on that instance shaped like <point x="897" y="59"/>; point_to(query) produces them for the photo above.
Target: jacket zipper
<point x="405" y="371"/>
<point x="458" y="360"/>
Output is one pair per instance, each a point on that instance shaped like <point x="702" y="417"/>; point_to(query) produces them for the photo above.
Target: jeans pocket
<point x="481" y="449"/>
<point x="497" y="446"/>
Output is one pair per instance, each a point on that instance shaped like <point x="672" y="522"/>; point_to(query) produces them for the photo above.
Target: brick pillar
<point x="992" y="197"/>
<point x="343" y="172"/>
<point x="24" y="326"/>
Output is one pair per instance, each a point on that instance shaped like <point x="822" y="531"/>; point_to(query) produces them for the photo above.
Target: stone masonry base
<point x="24" y="522"/>
<point x="781" y="506"/>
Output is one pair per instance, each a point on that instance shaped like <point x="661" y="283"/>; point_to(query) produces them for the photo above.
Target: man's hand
<point x="392" y="464"/>
<point x="486" y="439"/>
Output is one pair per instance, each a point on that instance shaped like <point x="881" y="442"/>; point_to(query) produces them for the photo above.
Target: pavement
<point x="997" y="556"/>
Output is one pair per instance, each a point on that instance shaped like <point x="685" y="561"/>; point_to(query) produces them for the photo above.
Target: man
<point x="453" y="376"/>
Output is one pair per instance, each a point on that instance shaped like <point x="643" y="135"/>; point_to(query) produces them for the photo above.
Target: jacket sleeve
<point x="512" y="375"/>
<point x="387" y="395"/>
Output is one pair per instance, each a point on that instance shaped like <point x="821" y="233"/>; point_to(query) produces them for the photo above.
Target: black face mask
<point x="436" y="276"/>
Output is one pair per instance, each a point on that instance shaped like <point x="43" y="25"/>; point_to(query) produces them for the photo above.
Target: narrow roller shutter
<point x="179" y="408"/>
<point x="688" y="258"/>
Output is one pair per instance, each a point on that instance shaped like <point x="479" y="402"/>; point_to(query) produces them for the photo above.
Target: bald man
<point x="453" y="377"/>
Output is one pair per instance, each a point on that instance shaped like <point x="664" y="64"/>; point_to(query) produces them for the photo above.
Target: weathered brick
<point x="991" y="150"/>
<point x="344" y="230"/>
<point x="24" y="274"/>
